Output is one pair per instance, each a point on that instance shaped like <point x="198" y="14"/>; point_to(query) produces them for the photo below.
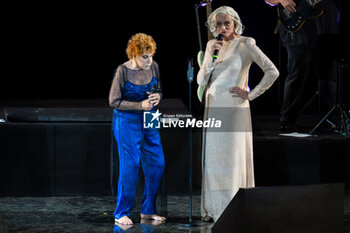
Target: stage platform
<point x="63" y="147"/>
<point x="56" y="154"/>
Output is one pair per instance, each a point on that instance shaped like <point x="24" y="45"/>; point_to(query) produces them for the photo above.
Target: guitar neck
<point x="209" y="11"/>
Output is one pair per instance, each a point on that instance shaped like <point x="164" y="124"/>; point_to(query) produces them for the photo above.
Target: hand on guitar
<point x="289" y="5"/>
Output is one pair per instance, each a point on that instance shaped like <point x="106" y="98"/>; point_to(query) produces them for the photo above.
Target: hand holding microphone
<point x="154" y="96"/>
<point x="217" y="46"/>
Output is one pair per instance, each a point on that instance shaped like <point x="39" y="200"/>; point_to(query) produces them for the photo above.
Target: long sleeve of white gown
<point x="270" y="71"/>
<point x="207" y="66"/>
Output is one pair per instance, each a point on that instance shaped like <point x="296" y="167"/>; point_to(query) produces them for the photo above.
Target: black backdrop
<point x="65" y="50"/>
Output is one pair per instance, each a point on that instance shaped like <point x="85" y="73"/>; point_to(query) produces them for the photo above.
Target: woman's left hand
<point x="239" y="92"/>
<point x="154" y="98"/>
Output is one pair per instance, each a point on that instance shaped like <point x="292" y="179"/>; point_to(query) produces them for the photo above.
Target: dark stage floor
<point x="95" y="214"/>
<point x="88" y="214"/>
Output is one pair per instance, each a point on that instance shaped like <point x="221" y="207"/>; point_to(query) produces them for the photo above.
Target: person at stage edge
<point x="228" y="156"/>
<point x="130" y="95"/>
<point x="303" y="62"/>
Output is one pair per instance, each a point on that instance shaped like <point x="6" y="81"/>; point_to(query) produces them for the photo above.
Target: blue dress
<point x="136" y="145"/>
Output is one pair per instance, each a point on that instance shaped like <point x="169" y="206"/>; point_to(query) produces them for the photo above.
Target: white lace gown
<point x="228" y="153"/>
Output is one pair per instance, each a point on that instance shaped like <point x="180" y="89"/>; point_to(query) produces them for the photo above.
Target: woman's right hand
<point x="146" y="105"/>
<point x="216" y="46"/>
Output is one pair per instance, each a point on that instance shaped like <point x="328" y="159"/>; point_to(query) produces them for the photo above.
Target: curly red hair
<point x="139" y="44"/>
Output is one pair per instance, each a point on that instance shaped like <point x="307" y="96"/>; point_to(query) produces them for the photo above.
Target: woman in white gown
<point x="228" y="154"/>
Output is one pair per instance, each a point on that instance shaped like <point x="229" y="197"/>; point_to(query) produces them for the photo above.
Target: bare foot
<point x="151" y="222"/>
<point x="153" y="217"/>
<point x="123" y="226"/>
<point x="207" y="219"/>
<point x="125" y="220"/>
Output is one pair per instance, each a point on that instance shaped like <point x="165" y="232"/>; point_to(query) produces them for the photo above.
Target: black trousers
<point x="302" y="63"/>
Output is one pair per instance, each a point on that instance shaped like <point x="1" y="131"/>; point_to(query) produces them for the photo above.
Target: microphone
<point x="190" y="70"/>
<point x="216" y="51"/>
<point x="155" y="89"/>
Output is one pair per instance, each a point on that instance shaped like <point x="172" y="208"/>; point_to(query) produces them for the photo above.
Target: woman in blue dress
<point x="130" y="96"/>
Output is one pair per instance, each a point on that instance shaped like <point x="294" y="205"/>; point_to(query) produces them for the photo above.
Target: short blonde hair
<point x="139" y="44"/>
<point x="225" y="10"/>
